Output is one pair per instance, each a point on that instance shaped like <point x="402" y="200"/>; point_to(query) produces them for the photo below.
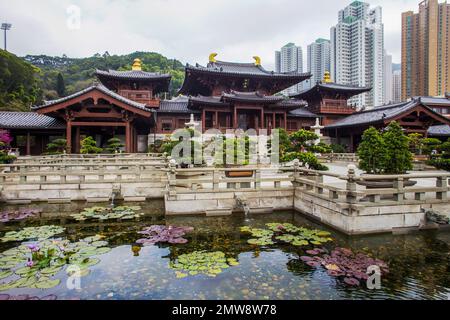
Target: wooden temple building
<point x="221" y="95"/>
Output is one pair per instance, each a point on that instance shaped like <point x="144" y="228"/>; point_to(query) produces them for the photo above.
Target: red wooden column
<point x="285" y="120"/>
<point x="127" y="137"/>
<point x="262" y="118"/>
<point x="216" y="125"/>
<point x="28" y="143"/>
<point x="77" y="139"/>
<point x="69" y="136"/>
<point x="274" y="120"/>
<point x="235" y="120"/>
<point x="204" y="120"/>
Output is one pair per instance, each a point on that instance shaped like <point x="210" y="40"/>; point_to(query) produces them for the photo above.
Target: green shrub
<point x="89" y="146"/>
<point x="114" y="145"/>
<point x="57" y="146"/>
<point x="372" y="151"/>
<point x="398" y="157"/>
<point x="430" y="144"/>
<point x="6" y="159"/>
<point x="338" y="148"/>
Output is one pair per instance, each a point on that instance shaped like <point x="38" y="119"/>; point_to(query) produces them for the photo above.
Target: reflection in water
<point x="419" y="263"/>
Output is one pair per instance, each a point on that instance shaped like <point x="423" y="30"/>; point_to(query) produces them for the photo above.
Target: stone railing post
<point x="258" y="179"/>
<point x="442" y="182"/>
<point x="351" y="183"/>
<point x="172" y="176"/>
<point x="399" y="185"/>
<point x="216" y="176"/>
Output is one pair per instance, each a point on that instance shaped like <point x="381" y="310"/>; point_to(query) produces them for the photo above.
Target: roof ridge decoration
<point x="137" y="65"/>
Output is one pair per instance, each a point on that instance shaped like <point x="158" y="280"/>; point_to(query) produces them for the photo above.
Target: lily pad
<point x="40" y="233"/>
<point x="108" y="213"/>
<point x="47" y="284"/>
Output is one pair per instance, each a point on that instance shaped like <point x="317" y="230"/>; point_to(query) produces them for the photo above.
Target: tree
<point x="430" y="145"/>
<point x="372" y="151"/>
<point x="114" y="145"/>
<point x="415" y="142"/>
<point x="57" y="146"/>
<point x="398" y="157"/>
<point x="89" y="146"/>
<point x="300" y="138"/>
<point x="60" y="85"/>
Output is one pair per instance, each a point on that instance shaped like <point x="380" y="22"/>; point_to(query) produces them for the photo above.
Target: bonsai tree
<point x="89" y="146"/>
<point x="415" y="143"/>
<point x="57" y="146"/>
<point x="398" y="157"/>
<point x="114" y="145"/>
<point x="430" y="144"/>
<point x="372" y="152"/>
<point x="442" y="160"/>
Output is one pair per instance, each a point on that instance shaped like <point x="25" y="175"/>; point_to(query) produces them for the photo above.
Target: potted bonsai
<point x="385" y="153"/>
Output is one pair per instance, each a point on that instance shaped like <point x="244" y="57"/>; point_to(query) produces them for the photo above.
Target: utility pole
<point x="5" y="27"/>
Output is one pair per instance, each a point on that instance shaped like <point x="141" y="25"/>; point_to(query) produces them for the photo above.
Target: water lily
<point x="30" y="263"/>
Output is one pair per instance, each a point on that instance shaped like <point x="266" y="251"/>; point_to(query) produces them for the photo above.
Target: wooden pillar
<point x="204" y="120"/>
<point x="352" y="143"/>
<point x="216" y="125"/>
<point x="274" y="120"/>
<point x="77" y="139"/>
<point x="285" y="120"/>
<point x="235" y="120"/>
<point x="127" y="137"/>
<point x="262" y="118"/>
<point x="69" y="136"/>
<point x="28" y="147"/>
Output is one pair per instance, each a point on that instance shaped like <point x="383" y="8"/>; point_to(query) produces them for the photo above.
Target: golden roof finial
<point x="137" y="65"/>
<point x="212" y="57"/>
<point x="257" y="60"/>
<point x="327" y="77"/>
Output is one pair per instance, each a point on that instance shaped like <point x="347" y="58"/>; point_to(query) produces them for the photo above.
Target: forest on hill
<point x="34" y="78"/>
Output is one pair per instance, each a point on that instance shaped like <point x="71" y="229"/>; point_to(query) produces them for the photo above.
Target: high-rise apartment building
<point x="425" y="50"/>
<point x="397" y="86"/>
<point x="318" y="59"/>
<point x="387" y="79"/>
<point x="290" y="59"/>
<point x="357" y="52"/>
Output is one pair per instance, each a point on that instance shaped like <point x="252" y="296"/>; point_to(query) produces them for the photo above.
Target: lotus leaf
<point x="342" y="262"/>
<point x="21" y="214"/>
<point x="48" y="257"/>
<point x="287" y="233"/>
<point x="29" y="233"/>
<point x="202" y="262"/>
<point x="108" y="213"/>
<point x="159" y="234"/>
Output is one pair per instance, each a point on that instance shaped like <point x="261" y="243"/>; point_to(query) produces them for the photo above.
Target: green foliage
<point x="300" y="138"/>
<point x="60" y="85"/>
<point x="442" y="160"/>
<point x="372" y="151"/>
<point x="79" y="73"/>
<point x="307" y="159"/>
<point x="114" y="145"/>
<point x="385" y="153"/>
<point x="398" y="157"/>
<point x="430" y="144"/>
<point x="57" y="146"/>
<point x="338" y="148"/>
<point x="415" y="143"/>
<point x="89" y="146"/>
<point x="19" y="85"/>
<point x="6" y="159"/>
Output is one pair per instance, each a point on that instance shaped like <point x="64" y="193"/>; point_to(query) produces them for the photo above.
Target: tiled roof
<point x="434" y="100"/>
<point x="245" y="69"/>
<point x="134" y="75"/>
<point x="102" y="89"/>
<point x="354" y="90"/>
<point x="177" y="105"/>
<point x="250" y="97"/>
<point x="439" y="131"/>
<point x="302" y="113"/>
<point x="379" y="114"/>
<point x="28" y="120"/>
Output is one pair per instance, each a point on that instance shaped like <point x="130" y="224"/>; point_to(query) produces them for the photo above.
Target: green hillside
<point x="78" y="73"/>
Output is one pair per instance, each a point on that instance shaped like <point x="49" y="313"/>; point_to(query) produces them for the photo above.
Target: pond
<point x="419" y="264"/>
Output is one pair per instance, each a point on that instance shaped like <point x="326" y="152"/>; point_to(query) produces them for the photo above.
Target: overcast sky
<point x="187" y="30"/>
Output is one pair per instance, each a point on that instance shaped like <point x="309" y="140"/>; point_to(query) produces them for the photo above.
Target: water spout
<point x="241" y="202"/>
<point x="114" y="193"/>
